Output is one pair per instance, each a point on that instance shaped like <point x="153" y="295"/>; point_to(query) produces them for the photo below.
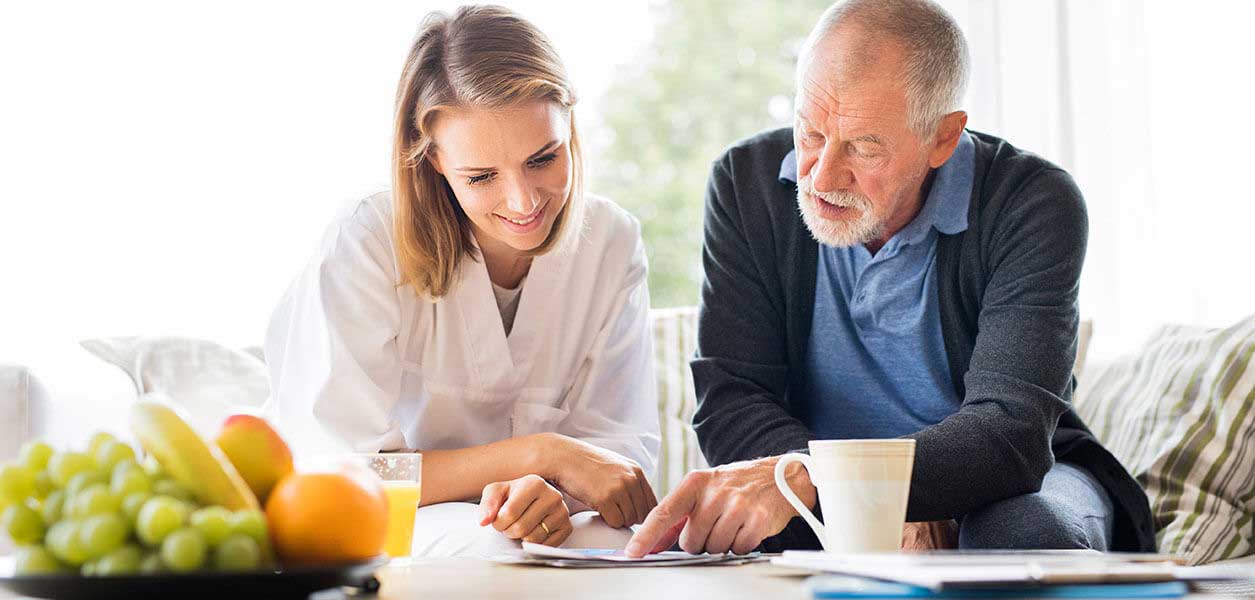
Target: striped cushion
<point x="1181" y="416"/>
<point x="675" y="341"/>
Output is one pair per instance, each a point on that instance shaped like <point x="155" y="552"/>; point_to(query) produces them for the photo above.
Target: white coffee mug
<point x="863" y="487"/>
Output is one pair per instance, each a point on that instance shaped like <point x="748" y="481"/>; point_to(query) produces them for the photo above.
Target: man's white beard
<point x="840" y="234"/>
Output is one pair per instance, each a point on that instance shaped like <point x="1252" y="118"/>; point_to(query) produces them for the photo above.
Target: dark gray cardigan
<point x="1008" y="295"/>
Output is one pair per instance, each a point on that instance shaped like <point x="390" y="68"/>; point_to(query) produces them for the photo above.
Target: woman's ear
<point x="433" y="157"/>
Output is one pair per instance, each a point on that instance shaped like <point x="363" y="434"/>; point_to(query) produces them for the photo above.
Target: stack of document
<point x="584" y="558"/>
<point x="1069" y="574"/>
<point x="839" y="586"/>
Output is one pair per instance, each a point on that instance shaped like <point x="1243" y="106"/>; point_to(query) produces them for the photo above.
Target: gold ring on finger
<point x="545" y="527"/>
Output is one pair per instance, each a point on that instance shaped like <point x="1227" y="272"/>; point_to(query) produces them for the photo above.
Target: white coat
<point x="361" y="363"/>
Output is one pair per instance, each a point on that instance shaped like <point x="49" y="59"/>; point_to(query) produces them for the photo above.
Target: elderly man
<point x="939" y="304"/>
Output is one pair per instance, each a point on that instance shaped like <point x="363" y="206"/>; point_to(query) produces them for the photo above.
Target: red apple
<point x="257" y="451"/>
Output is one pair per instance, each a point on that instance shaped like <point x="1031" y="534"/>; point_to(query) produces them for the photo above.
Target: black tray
<point x="295" y="582"/>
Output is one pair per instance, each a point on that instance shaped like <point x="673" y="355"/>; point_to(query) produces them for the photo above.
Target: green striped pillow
<point x="1181" y="417"/>
<point x="675" y="341"/>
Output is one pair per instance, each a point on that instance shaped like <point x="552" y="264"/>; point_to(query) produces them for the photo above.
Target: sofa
<point x="1180" y="413"/>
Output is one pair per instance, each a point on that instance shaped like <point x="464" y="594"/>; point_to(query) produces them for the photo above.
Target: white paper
<point x="608" y="557"/>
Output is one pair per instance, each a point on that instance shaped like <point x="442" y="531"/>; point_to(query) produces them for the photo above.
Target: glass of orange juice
<point x="402" y="482"/>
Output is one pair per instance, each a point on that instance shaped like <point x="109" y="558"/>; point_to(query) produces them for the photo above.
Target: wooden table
<point x="468" y="578"/>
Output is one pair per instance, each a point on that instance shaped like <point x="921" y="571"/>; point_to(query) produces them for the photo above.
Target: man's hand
<point x="730" y="507"/>
<point x="527" y="509"/>
<point x="609" y="483"/>
<point x="930" y="535"/>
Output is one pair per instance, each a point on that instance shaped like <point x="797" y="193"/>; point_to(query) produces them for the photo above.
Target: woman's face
<point x="510" y="169"/>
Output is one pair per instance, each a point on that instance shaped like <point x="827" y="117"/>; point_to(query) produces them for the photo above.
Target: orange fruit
<point x="332" y="517"/>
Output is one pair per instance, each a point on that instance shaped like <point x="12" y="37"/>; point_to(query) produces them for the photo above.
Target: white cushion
<point x="72" y="394"/>
<point x="15" y="408"/>
<point x="208" y="380"/>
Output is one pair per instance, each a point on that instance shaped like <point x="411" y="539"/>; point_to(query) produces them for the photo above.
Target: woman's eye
<point x="474" y="179"/>
<point x="543" y="161"/>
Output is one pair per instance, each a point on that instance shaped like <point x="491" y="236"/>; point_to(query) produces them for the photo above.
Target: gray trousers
<point x="1070" y="511"/>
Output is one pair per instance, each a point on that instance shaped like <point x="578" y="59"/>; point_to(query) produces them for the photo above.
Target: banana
<point x="202" y="468"/>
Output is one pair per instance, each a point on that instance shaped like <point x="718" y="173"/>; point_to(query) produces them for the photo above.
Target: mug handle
<point x="791" y="497"/>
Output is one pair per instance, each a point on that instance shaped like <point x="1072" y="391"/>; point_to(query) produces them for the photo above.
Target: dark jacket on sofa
<point x="1007" y="288"/>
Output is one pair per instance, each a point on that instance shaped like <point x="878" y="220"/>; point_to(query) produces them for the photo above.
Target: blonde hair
<point x="485" y="57"/>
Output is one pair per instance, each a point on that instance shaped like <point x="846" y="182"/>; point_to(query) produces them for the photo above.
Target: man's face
<point x="860" y="167"/>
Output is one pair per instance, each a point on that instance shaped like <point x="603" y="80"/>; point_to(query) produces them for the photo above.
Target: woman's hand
<point x="607" y="482"/>
<point x="527" y="509"/>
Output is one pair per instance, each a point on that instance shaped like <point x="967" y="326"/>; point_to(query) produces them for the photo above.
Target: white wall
<point x="166" y="167"/>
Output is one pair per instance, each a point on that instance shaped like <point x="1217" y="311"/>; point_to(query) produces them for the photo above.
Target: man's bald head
<point x="917" y="41"/>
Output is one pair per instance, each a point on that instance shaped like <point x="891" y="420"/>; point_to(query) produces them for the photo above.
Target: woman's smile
<point x="525" y="224"/>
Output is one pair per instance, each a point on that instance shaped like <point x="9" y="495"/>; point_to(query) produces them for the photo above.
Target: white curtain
<point x="1147" y="104"/>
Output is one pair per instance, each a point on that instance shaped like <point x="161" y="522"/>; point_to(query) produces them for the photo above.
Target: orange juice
<point x="403" y="499"/>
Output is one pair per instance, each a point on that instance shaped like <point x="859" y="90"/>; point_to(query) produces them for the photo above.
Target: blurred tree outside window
<point x="715" y="71"/>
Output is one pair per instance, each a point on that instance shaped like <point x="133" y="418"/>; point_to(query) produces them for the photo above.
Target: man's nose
<point x="831" y="173"/>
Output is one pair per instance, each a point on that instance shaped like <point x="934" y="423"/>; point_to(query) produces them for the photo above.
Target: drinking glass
<point x="402" y="482"/>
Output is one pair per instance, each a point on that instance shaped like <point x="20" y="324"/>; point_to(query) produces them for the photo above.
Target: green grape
<point x="214" y="522"/>
<point x="52" y="507"/>
<point x="151" y="564"/>
<point x="23" y="523"/>
<point x="102" y="534"/>
<point x="84" y="479"/>
<point x="88" y="569"/>
<point x="153" y="467"/>
<point x="44" y="484"/>
<point x="97" y="440"/>
<point x="172" y="488"/>
<point x="71" y="509"/>
<point x="110" y="454"/>
<point x="184" y="550"/>
<point x="130" y="481"/>
<point x="17" y="483"/>
<point x="251" y="523"/>
<point x="237" y="553"/>
<point x="95" y="500"/>
<point x="35" y="455"/>
<point x="37" y="560"/>
<point x="62" y="539"/>
<point x="123" y="561"/>
<point x="188" y="507"/>
<point x="63" y="466"/>
<point x="132" y="504"/>
<point x="159" y="516"/>
<point x="124" y="466"/>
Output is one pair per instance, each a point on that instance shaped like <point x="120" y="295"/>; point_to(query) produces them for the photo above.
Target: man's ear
<point x="947" y="138"/>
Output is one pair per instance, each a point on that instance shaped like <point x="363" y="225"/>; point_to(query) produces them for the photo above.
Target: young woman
<point x="485" y="312"/>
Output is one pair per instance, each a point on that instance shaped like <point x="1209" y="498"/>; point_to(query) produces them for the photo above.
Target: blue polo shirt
<point x="876" y="364"/>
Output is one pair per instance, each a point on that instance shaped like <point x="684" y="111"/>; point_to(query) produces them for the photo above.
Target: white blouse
<point x="357" y="362"/>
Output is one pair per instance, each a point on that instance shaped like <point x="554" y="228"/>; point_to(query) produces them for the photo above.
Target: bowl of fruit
<point x="185" y="516"/>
